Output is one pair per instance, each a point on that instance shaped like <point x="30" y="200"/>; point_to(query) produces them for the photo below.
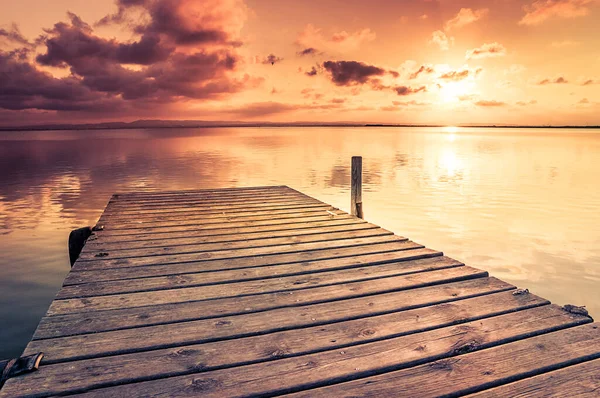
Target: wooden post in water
<point x="356" y="207"/>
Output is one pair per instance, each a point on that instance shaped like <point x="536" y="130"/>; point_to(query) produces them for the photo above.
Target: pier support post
<point x="356" y="187"/>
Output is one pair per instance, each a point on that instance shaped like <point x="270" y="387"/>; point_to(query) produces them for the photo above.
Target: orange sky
<point x="389" y="61"/>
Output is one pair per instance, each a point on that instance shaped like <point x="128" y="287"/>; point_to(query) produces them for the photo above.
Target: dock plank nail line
<point x="266" y="291"/>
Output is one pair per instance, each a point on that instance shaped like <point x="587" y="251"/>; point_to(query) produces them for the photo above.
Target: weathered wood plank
<point x="342" y="258"/>
<point x="119" y="205"/>
<point x="479" y="370"/>
<point x="286" y="287"/>
<point x="101" y="245"/>
<point x="276" y="212"/>
<point x="82" y="375"/>
<point x="105" y="261"/>
<point x="429" y="379"/>
<point x="214" y="207"/>
<point x="237" y="326"/>
<point x="344" y="308"/>
<point x="215" y="197"/>
<point x="133" y="226"/>
<point x="582" y="380"/>
<point x="213" y="227"/>
<point x="225" y="231"/>
<point x="184" y="192"/>
<point x="237" y="276"/>
<point x="90" y="254"/>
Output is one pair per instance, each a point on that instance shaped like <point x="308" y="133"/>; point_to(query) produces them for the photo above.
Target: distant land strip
<point x="155" y="124"/>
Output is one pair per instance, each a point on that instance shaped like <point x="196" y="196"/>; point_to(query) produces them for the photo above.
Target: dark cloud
<point x="311" y="72"/>
<point x="30" y="88"/>
<point x="351" y="73"/>
<point x="423" y="69"/>
<point x="271" y="59"/>
<point x="485" y="103"/>
<point x="14" y="35"/>
<point x="557" y="80"/>
<point x="406" y="90"/>
<point x="308" y="51"/>
<point x="109" y="75"/>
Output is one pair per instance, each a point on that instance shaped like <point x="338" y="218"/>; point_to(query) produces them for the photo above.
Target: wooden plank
<point x="237" y="326"/>
<point x="582" y="380"/>
<point x="213" y="207"/>
<point x="434" y="378"/>
<point x="82" y="375"/>
<point x="329" y="292"/>
<point x="117" y="209"/>
<point x="479" y="370"/>
<point x="215" y="197"/>
<point x="300" y="248"/>
<point x="102" y="245"/>
<point x="345" y="307"/>
<point x="133" y="226"/>
<point x="91" y="254"/>
<point x="321" y="260"/>
<point x="277" y="281"/>
<point x="197" y="226"/>
<point x="184" y="192"/>
<point x="120" y="222"/>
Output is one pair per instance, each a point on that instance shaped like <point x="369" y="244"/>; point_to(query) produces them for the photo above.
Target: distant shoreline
<point x="165" y="124"/>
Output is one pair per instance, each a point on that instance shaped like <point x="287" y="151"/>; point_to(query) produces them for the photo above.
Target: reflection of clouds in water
<point x="523" y="207"/>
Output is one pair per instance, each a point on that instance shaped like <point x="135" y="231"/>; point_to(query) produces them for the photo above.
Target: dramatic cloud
<point x="458" y="75"/>
<point x="312" y="37"/>
<point x="556" y="80"/>
<point x="490" y="104"/>
<point x="405" y="90"/>
<point x="351" y="73"/>
<point x="541" y="10"/>
<point x="271" y="59"/>
<point x="184" y="51"/>
<point x="308" y="51"/>
<point x="440" y="39"/>
<point x="312" y="72"/>
<point x="464" y="17"/>
<point x="423" y="69"/>
<point x="486" y="51"/>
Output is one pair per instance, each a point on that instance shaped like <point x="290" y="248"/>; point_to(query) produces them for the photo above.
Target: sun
<point x="451" y="92"/>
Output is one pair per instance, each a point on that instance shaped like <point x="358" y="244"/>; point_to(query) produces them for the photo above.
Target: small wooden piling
<point x="356" y="187"/>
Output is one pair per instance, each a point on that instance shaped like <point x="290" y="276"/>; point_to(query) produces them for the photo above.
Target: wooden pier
<point x="267" y="291"/>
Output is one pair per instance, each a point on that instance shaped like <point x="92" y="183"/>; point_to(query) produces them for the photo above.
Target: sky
<point x="531" y="62"/>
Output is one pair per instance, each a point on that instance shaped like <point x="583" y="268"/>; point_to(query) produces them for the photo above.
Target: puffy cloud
<point x="464" y="17"/>
<point x="308" y="51"/>
<point x="486" y="51"/>
<point x="312" y="37"/>
<point x="490" y="104"/>
<point x="525" y="103"/>
<point x="351" y="73"/>
<point x="184" y="51"/>
<point x="423" y="69"/>
<point x="541" y="10"/>
<point x="406" y="90"/>
<point x="556" y="80"/>
<point x="458" y="75"/>
<point x="440" y="39"/>
<point x="272" y="59"/>
<point x="312" y="72"/>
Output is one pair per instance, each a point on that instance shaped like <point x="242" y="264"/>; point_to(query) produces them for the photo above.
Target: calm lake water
<point x="522" y="204"/>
